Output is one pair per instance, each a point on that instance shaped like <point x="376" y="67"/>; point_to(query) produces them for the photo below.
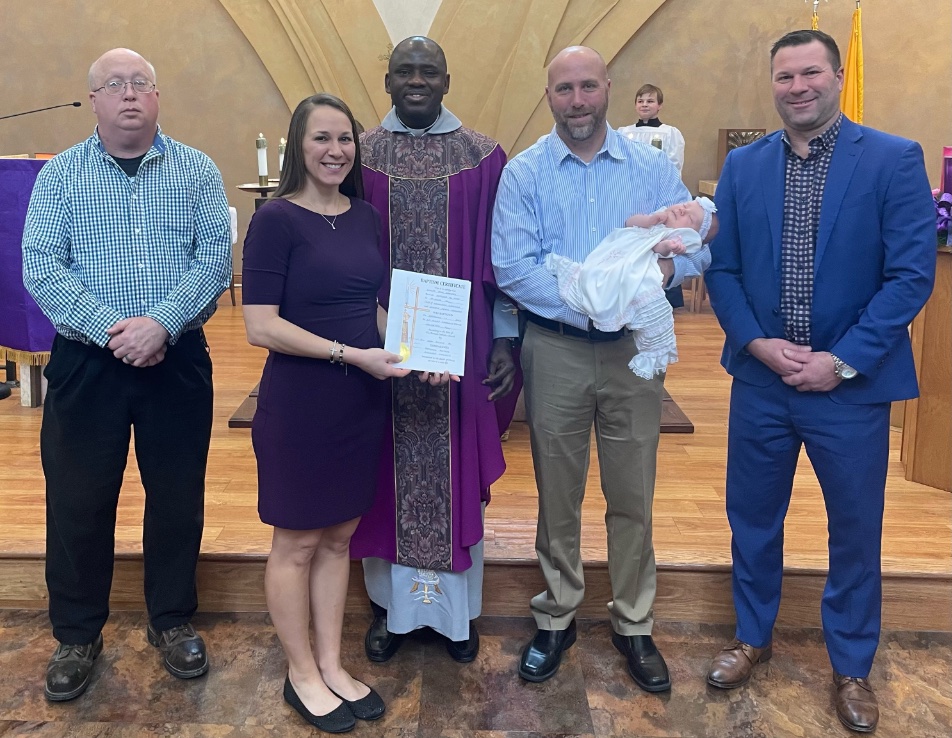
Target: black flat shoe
<point x="69" y="670"/>
<point x="368" y="707"/>
<point x="464" y="651"/>
<point x="380" y="644"/>
<point x="338" y="720"/>
<point x="543" y="654"/>
<point x="645" y="663"/>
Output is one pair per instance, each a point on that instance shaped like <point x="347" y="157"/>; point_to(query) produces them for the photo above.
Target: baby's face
<point x="685" y="215"/>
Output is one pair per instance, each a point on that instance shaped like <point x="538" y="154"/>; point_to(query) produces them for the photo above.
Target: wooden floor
<point x="690" y="525"/>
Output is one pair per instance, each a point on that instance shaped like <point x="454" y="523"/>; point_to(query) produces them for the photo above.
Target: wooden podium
<point x="927" y="421"/>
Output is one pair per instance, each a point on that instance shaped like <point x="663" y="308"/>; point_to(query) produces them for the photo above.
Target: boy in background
<point x="648" y="102"/>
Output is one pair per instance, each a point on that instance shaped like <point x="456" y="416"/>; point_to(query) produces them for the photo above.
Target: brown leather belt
<point x="592" y="334"/>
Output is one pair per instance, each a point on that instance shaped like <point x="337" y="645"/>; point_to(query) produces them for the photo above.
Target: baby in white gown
<point x="619" y="283"/>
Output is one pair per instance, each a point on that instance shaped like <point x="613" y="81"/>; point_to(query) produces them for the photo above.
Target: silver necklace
<point x="330" y="221"/>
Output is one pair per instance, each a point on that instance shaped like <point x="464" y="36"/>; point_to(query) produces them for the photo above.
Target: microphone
<point x="40" y="110"/>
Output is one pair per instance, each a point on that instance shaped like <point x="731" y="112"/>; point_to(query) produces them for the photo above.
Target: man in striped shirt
<point x="126" y="249"/>
<point x="563" y="195"/>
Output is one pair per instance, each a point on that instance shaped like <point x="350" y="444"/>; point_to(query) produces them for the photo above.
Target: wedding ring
<point x="126" y="360"/>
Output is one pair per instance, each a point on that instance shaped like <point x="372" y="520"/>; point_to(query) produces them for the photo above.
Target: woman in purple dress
<point x="311" y="272"/>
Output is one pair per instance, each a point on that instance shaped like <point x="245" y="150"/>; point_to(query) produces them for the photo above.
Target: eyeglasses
<point x="116" y="87"/>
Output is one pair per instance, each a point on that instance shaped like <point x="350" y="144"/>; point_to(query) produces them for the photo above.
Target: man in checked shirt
<point x="825" y="254"/>
<point x="126" y="249"/>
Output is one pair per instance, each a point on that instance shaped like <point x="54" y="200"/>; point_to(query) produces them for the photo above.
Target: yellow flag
<point x="816" y="20"/>
<point x="851" y="98"/>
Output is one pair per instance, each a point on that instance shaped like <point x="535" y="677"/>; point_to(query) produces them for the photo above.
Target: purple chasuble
<point x="23" y="326"/>
<point x="435" y="194"/>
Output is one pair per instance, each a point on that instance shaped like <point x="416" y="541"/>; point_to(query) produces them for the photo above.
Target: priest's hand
<point x="435" y="379"/>
<point x="377" y="362"/>
<point x="502" y="369"/>
<point x="137" y="341"/>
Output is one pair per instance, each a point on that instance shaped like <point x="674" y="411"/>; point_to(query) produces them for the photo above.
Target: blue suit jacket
<point x="874" y="264"/>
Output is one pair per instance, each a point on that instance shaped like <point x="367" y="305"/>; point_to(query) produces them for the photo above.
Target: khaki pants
<point x="571" y="383"/>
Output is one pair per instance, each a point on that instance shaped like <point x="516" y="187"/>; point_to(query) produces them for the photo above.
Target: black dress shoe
<point x="380" y="644"/>
<point x="543" y="654"/>
<point x="67" y="674"/>
<point x="338" y="720"/>
<point x="645" y="663"/>
<point x="183" y="650"/>
<point x="368" y="707"/>
<point x="465" y="651"/>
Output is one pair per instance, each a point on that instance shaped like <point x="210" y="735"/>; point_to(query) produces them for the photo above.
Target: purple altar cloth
<point x="23" y="327"/>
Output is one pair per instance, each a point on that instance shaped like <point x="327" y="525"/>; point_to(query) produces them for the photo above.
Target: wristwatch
<point x="841" y="369"/>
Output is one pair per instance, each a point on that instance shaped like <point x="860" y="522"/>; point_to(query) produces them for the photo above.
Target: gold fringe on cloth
<point x="33" y="358"/>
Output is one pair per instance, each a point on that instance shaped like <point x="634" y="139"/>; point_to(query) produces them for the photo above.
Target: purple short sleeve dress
<point x="318" y="429"/>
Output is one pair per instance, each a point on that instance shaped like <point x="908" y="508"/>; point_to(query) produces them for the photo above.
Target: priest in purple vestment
<point x="434" y="183"/>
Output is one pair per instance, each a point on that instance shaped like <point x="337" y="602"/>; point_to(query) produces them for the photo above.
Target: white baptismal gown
<point x="619" y="285"/>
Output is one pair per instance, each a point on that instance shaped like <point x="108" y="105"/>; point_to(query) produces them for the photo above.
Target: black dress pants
<point x="675" y="296"/>
<point x="93" y="403"/>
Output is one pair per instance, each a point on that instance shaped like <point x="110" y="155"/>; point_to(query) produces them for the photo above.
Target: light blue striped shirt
<point x="100" y="246"/>
<point x="550" y="201"/>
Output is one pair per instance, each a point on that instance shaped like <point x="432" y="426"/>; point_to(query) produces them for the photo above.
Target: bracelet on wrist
<point x="337" y="354"/>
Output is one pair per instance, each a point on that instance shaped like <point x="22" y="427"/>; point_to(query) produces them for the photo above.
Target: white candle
<point x="281" y="147"/>
<point x="262" y="145"/>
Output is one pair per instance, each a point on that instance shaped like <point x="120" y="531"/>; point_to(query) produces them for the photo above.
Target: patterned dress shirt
<point x="803" y="195"/>
<point x="100" y="246"/>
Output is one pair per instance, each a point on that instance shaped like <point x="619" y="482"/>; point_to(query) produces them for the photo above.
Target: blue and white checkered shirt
<point x="549" y="200"/>
<point x="100" y="246"/>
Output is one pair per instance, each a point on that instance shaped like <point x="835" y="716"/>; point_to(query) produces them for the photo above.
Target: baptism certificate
<point x="426" y="321"/>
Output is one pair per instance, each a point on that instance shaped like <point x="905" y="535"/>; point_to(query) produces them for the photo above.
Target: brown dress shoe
<point x="735" y="663"/>
<point x="856" y="705"/>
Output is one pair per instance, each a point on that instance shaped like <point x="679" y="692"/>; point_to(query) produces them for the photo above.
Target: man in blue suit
<point x="826" y="252"/>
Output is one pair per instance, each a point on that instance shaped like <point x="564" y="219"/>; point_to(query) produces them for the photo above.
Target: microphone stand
<point x="40" y="110"/>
